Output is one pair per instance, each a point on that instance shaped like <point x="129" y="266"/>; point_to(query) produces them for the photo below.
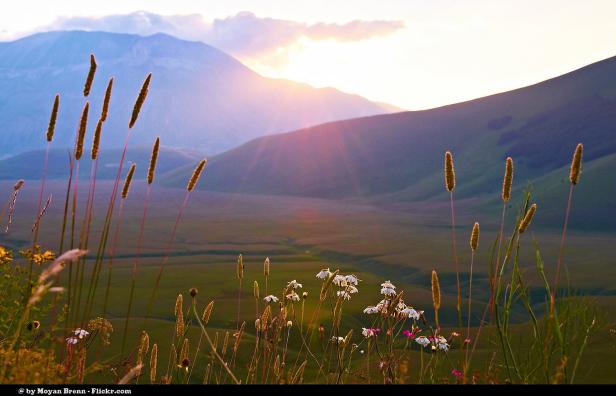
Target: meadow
<point x="424" y="330"/>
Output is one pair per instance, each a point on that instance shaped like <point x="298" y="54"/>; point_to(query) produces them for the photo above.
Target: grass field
<point x="302" y="236"/>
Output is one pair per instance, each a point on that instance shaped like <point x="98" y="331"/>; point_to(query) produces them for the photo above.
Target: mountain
<point x="200" y="97"/>
<point x="397" y="158"/>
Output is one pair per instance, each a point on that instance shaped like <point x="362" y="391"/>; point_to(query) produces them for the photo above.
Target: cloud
<point x="244" y="35"/>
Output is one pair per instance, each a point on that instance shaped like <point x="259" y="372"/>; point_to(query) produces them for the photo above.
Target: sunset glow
<point x="422" y="55"/>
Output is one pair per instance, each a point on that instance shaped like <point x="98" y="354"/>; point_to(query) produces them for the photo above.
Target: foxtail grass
<point x="90" y="78"/>
<point x="150" y="180"/>
<point x="474" y="243"/>
<point x="574" y="179"/>
<point x="450" y="185"/>
<point x="189" y="188"/>
<point x="505" y="196"/>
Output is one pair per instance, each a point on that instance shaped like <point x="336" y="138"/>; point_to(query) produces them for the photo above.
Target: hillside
<point x="200" y="97"/>
<point x="398" y="157"/>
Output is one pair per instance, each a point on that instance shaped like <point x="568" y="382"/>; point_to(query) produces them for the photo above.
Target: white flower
<point x="441" y="343"/>
<point x="443" y="346"/>
<point x="401" y="306"/>
<point x="72" y="340"/>
<point x="81" y="333"/>
<point x="423" y="341"/>
<point x="345" y="295"/>
<point x="340" y="280"/>
<point x="371" y="310"/>
<point x="294" y="285"/>
<point x="324" y="274"/>
<point x="410" y="313"/>
<point x="352" y="289"/>
<point x="271" y="298"/>
<point x="352" y="279"/>
<point x="388" y="285"/>
<point x="292" y="296"/>
<point x="367" y="332"/>
<point x="388" y="291"/>
<point x="289" y="323"/>
<point x="338" y="340"/>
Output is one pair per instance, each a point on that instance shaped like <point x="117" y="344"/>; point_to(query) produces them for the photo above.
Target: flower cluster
<point x="77" y="335"/>
<point x="347" y="284"/>
<point x="436" y="343"/>
<point x="370" y="332"/>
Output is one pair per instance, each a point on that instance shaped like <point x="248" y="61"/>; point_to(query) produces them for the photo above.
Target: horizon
<point x="307" y="44"/>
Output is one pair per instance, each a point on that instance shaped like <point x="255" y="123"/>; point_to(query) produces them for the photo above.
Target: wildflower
<point x="193" y="292"/>
<point x="324" y="274"/>
<point x="442" y="344"/>
<point x="457" y="373"/>
<point x="340" y="280"/>
<point x="388" y="291"/>
<point x="370" y="332"/>
<point x="371" y="310"/>
<point x="292" y="296"/>
<point x="388" y="285"/>
<point x="410" y="313"/>
<point x="6" y="256"/>
<point x="338" y="340"/>
<point x="409" y="334"/>
<point x="455" y="334"/>
<point x="289" y="323"/>
<point x="81" y="333"/>
<point x="72" y="340"/>
<point x="271" y="298"/>
<point x="344" y="294"/>
<point x="423" y="341"/>
<point x="467" y="340"/>
<point x="352" y="280"/>
<point x="294" y="285"/>
<point x="352" y="289"/>
<point x="305" y="295"/>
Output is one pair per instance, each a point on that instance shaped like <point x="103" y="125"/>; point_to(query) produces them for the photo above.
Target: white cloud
<point x="244" y="35"/>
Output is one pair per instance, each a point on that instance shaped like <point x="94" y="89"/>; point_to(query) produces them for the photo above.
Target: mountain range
<point x="200" y="98"/>
<point x="397" y="158"/>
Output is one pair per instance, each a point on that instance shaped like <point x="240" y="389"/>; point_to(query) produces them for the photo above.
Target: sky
<point x="413" y="54"/>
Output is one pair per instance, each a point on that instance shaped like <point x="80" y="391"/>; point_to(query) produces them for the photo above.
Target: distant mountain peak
<point x="199" y="97"/>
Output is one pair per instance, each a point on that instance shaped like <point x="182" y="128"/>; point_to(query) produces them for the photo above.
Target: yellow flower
<point x="6" y="256"/>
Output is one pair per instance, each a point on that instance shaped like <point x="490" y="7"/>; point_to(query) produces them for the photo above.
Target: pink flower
<point x="457" y="373"/>
<point x="409" y="334"/>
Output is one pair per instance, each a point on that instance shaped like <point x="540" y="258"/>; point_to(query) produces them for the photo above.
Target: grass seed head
<point x="51" y="128"/>
<point x="507" y="180"/>
<point x="127" y="182"/>
<point x="153" y="363"/>
<point x="143" y="94"/>
<point x="436" y="291"/>
<point x="196" y="175"/>
<point x="528" y="217"/>
<point x="240" y="267"/>
<point x="207" y="312"/>
<point x="106" y="100"/>
<point x="255" y="289"/>
<point x="475" y="237"/>
<point x="153" y="159"/>
<point x="450" y="174"/>
<point x="90" y="77"/>
<point x="576" y="164"/>
<point x="266" y="267"/>
<point x="96" y="141"/>
<point x="81" y="133"/>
